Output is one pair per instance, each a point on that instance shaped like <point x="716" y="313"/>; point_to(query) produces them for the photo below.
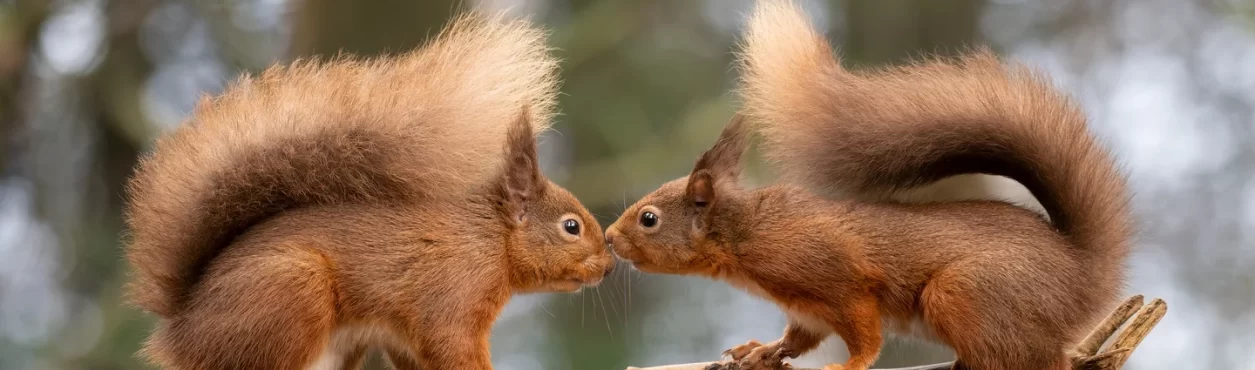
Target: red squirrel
<point x="1000" y="285"/>
<point x="324" y="209"/>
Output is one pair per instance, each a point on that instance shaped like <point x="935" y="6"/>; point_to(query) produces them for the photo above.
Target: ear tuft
<point x="521" y="181"/>
<point x="721" y="163"/>
<point x="723" y="159"/>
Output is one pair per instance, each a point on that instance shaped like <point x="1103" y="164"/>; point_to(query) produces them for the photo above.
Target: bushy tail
<point x="428" y="124"/>
<point x="887" y="130"/>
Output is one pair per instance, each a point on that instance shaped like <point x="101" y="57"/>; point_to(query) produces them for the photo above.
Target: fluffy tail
<point x="428" y="124"/>
<point x="887" y="130"/>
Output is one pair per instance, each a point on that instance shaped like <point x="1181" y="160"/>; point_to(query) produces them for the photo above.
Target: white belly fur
<point x="347" y="338"/>
<point x="914" y="328"/>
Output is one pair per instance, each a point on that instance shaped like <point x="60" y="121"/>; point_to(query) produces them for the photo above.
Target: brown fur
<point x="1003" y="287"/>
<point x="325" y="208"/>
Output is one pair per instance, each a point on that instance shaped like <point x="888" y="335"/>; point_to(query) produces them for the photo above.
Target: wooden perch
<point x="1085" y="356"/>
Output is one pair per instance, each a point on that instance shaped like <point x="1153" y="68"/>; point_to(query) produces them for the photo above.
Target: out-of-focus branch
<point x="1085" y="356"/>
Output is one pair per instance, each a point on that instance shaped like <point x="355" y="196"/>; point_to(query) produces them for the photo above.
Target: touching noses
<point x="611" y="258"/>
<point x="612" y="233"/>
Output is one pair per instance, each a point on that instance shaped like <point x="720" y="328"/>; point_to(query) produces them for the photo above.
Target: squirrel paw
<point x="765" y="357"/>
<point x="739" y="352"/>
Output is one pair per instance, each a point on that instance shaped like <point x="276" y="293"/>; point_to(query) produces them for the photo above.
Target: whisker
<point x="542" y="306"/>
<point x="613" y="306"/>
<point x="628" y="306"/>
<point x="603" y="311"/>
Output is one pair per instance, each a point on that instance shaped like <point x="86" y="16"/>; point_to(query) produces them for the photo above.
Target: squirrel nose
<point x="610" y="238"/>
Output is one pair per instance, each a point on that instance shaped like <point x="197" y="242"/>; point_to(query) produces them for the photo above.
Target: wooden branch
<point x="1092" y="342"/>
<point x="1085" y="356"/>
<point x="730" y="366"/>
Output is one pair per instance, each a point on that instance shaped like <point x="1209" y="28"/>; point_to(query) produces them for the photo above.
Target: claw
<point x="783" y="353"/>
<point x="739" y="352"/>
<point x="764" y="357"/>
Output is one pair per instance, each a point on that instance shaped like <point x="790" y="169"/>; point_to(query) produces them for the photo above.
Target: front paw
<point x="765" y="357"/>
<point x="739" y="352"/>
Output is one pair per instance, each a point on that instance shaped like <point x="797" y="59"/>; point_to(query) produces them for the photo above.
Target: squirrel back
<point x="873" y="133"/>
<point x="428" y="124"/>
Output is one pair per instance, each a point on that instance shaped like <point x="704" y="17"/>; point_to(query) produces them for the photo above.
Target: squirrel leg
<point x="454" y="351"/>
<point x="858" y="323"/>
<point x="985" y="336"/>
<point x="459" y="342"/>
<point x="242" y="304"/>
<point x="797" y="340"/>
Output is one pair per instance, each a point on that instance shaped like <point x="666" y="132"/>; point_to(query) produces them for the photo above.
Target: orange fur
<point x="1003" y="287"/>
<point x="325" y="208"/>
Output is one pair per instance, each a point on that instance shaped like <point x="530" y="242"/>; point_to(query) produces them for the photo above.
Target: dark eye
<point x="571" y="226"/>
<point x="649" y="219"/>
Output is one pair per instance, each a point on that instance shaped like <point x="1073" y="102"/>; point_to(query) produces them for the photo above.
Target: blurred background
<point x="85" y="85"/>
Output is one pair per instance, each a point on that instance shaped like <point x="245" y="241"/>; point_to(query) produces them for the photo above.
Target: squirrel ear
<point x="701" y="191"/>
<point x="722" y="163"/>
<point x="724" y="158"/>
<point x="521" y="181"/>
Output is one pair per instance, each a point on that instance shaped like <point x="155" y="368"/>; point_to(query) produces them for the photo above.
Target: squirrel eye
<point x="571" y="226"/>
<point x="649" y="219"/>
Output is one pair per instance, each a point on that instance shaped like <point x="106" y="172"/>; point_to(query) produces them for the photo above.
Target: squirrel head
<point x="553" y="243"/>
<point x="685" y="226"/>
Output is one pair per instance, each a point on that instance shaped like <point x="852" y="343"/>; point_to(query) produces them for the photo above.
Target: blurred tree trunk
<point x="109" y="100"/>
<point x="17" y="40"/>
<point x="103" y="106"/>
